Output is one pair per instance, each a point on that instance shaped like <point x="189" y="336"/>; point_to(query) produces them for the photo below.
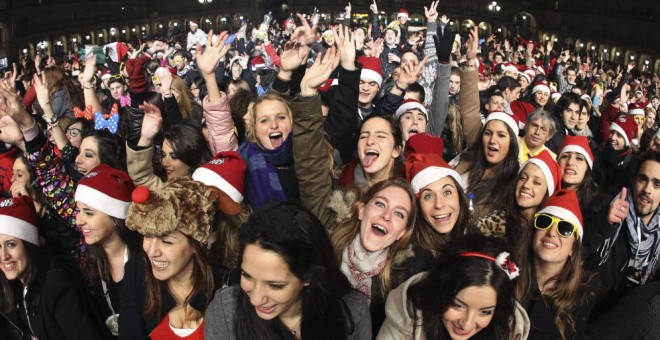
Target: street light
<point x="494" y="7"/>
<point x="204" y="2"/>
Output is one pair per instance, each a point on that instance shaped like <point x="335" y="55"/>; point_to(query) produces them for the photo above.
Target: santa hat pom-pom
<point x="140" y="194"/>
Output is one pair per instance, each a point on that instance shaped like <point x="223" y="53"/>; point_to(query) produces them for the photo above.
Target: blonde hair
<point x="270" y="96"/>
<point x="344" y="232"/>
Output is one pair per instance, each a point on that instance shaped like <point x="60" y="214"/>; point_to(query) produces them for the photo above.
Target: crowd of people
<point x="299" y="179"/>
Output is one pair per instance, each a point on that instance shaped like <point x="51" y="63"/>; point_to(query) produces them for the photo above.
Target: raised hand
<point x="151" y="124"/>
<point x="41" y="89"/>
<point x="208" y="59"/>
<point x="10" y="132"/>
<point x="472" y="45"/>
<point x="90" y="68"/>
<point x="410" y="73"/>
<point x="373" y="7"/>
<point x="304" y="34"/>
<point x="316" y="75"/>
<point x="11" y="105"/>
<point x="346" y="45"/>
<point x="293" y="55"/>
<point x="431" y="12"/>
<point x="348" y="11"/>
<point x="619" y="208"/>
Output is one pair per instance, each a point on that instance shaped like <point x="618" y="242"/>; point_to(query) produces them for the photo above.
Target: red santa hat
<point x="635" y="109"/>
<point x="105" y="74"/>
<point x="509" y="67"/>
<point x="225" y="172"/>
<point x="403" y="13"/>
<point x="193" y="23"/>
<point x="526" y="76"/>
<point x="257" y="63"/>
<point x="424" y="169"/>
<point x="371" y="69"/>
<point x="521" y="111"/>
<point x="578" y="144"/>
<point x="565" y="205"/>
<point x="424" y="143"/>
<point x="541" y="85"/>
<point x="531" y="74"/>
<point x="107" y="190"/>
<point x="19" y="219"/>
<point x="550" y="169"/>
<point x="510" y="120"/>
<point x="626" y="127"/>
<point x="410" y="104"/>
<point x="555" y="96"/>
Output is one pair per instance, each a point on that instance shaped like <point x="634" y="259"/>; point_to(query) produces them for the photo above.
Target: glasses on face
<point x="117" y="76"/>
<point x="545" y="221"/>
<point x="177" y="60"/>
<point x="73" y="132"/>
<point x="155" y="80"/>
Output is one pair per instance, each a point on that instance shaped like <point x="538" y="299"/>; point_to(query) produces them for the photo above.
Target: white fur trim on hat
<point x="102" y="202"/>
<point x="410" y="106"/>
<point x="541" y="87"/>
<point x="580" y="150"/>
<point x="371" y="75"/>
<point x="432" y="174"/>
<point x="16" y="227"/>
<point x="546" y="172"/>
<point x="636" y="111"/>
<point x="615" y="127"/>
<point x="507" y="119"/>
<point x="211" y="178"/>
<point x="564" y="214"/>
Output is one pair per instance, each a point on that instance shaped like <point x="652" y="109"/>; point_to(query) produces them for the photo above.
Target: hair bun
<point x="140" y="194"/>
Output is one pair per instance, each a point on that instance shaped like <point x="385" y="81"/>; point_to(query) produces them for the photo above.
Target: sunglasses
<point x="155" y="80"/>
<point x="176" y="61"/>
<point x="73" y="132"/>
<point x="564" y="228"/>
<point x="117" y="76"/>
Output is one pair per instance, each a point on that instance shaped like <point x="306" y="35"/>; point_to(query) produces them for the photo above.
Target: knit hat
<point x="410" y="104"/>
<point x="541" y="85"/>
<point x="257" y="63"/>
<point x="508" y="119"/>
<point x="107" y="190"/>
<point x="19" y="219"/>
<point x="371" y="69"/>
<point x="626" y="127"/>
<point x="424" y="143"/>
<point x="424" y="169"/>
<point x="565" y="205"/>
<point x="403" y="13"/>
<point x="550" y="169"/>
<point x="636" y="109"/>
<point x="225" y="172"/>
<point x="183" y="204"/>
<point x="578" y="144"/>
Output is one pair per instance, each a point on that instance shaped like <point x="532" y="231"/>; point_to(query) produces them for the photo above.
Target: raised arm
<point x="469" y="98"/>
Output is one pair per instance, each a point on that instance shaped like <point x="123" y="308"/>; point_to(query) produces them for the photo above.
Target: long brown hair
<point x="56" y="80"/>
<point x="568" y="290"/>
<point x="202" y="281"/>
<point x="345" y="231"/>
<point x="186" y="100"/>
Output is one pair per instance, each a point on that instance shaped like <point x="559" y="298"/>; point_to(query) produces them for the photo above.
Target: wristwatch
<point x="50" y="120"/>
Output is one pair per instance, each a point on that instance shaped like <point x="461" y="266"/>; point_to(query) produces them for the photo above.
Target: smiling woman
<point x="467" y="294"/>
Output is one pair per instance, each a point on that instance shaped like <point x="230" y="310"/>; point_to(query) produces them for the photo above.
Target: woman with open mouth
<point x="491" y="163"/>
<point x="290" y="287"/>
<point x="171" y="282"/>
<point x="467" y="294"/>
<point x="553" y="286"/>
<point x="42" y="297"/>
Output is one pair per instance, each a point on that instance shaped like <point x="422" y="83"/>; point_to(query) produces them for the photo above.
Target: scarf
<point x="360" y="265"/>
<point x="262" y="182"/>
<point x="643" y="245"/>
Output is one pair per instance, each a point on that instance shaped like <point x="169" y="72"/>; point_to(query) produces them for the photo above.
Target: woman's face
<point x="74" y="134"/>
<point x="274" y="291"/>
<point x="195" y="90"/>
<point x="650" y="119"/>
<point x="231" y="90"/>
<point x="172" y="165"/>
<point x="550" y="248"/>
<point x="530" y="187"/>
<point x="440" y="204"/>
<point x="639" y="120"/>
<point x="88" y="158"/>
<point x="523" y="83"/>
<point x="13" y="257"/>
<point x="236" y="70"/>
<point x="170" y="255"/>
<point x="384" y="218"/>
<point x="573" y="168"/>
<point x="412" y="122"/>
<point x="541" y="97"/>
<point x="272" y="124"/>
<point x="376" y="148"/>
<point x="616" y="141"/>
<point x="95" y="226"/>
<point x="471" y="311"/>
<point x="20" y="172"/>
<point x="496" y="141"/>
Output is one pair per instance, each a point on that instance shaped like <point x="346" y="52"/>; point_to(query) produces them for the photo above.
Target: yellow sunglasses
<point x="545" y="221"/>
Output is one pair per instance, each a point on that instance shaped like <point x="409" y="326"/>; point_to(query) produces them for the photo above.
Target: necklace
<point x="293" y="329"/>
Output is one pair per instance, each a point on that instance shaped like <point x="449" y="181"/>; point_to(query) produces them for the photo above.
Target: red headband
<point x="503" y="261"/>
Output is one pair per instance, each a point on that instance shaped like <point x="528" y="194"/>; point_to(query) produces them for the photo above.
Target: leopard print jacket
<point x="493" y="224"/>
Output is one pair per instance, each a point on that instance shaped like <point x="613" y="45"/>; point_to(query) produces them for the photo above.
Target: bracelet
<point x="55" y="124"/>
<point x="400" y="88"/>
